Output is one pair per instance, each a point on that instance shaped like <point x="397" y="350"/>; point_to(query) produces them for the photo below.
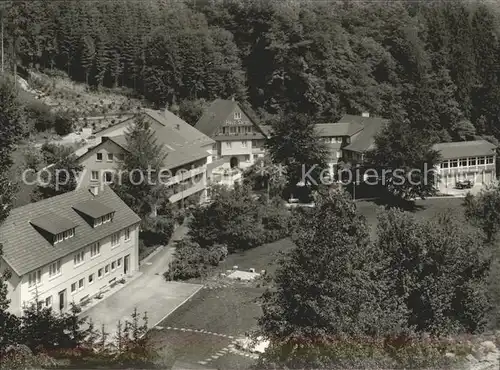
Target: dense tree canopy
<point x="437" y="61"/>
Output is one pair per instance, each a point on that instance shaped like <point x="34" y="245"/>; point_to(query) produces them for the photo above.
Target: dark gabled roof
<point x="170" y="131"/>
<point x="266" y="130"/>
<point x="26" y="249"/>
<point x="216" y="114"/>
<point x="337" y="129"/>
<point x="177" y="155"/>
<point x="93" y="208"/>
<point x="179" y="127"/>
<point x="462" y="149"/>
<point x="53" y="223"/>
<point x="182" y="142"/>
<point x="365" y="139"/>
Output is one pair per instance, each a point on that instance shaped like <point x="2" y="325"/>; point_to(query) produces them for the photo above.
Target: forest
<point x="437" y="62"/>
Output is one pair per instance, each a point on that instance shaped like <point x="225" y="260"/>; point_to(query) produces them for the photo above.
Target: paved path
<point x="149" y="293"/>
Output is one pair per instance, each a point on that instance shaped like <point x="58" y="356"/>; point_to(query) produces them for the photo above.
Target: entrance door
<point x="126" y="262"/>
<point x="233" y="162"/>
<point x="62" y="300"/>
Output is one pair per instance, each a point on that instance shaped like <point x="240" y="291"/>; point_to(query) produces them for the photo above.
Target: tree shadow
<point x="389" y="201"/>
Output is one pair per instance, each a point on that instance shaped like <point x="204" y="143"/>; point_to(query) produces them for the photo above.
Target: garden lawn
<point x="261" y="258"/>
<point x="427" y="208"/>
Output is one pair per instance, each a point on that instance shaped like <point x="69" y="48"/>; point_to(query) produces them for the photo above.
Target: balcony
<point x="258" y="150"/>
<point x="188" y="190"/>
<point x="227" y="177"/>
<point x="186" y="175"/>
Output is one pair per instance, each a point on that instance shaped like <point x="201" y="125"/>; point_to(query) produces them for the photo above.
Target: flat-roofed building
<point x="466" y="160"/>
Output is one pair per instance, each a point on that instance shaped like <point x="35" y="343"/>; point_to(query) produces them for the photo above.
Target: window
<point x="113" y="266"/>
<point x="79" y="257"/>
<point x="237" y="115"/>
<point x="106" y="269"/>
<point x="108" y="176"/>
<point x="73" y="287"/>
<point x="489" y="160"/>
<point x="127" y="234"/>
<point x="99" y="157"/>
<point x="95" y="175"/>
<point x="106" y="218"/>
<point x="453" y="163"/>
<point x="69" y="234"/>
<point x="95" y="249"/>
<point x="97" y="221"/>
<point x="91" y="278"/>
<point x="244" y="143"/>
<point x="99" y="273"/>
<point x="472" y="161"/>
<point x="444" y="164"/>
<point x="48" y="301"/>
<point x="339" y="154"/>
<point x="339" y="139"/>
<point x="463" y="162"/>
<point x="480" y="160"/>
<point x="119" y="262"/>
<point x="55" y="268"/>
<point x="110" y="157"/>
<point x="81" y="284"/>
<point x="58" y="238"/>
<point x="120" y="157"/>
<point x="228" y="144"/>
<point x="34" y="278"/>
<point x="115" y="239"/>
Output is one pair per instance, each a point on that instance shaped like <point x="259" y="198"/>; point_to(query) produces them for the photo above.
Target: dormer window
<point x="94" y="212"/>
<point x="54" y="228"/>
<point x="103" y="219"/>
<point x="64" y="235"/>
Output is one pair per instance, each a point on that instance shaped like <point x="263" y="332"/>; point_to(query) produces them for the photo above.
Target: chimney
<point x="365" y="114"/>
<point x="232" y="98"/>
<point x="94" y="190"/>
<point x="177" y="126"/>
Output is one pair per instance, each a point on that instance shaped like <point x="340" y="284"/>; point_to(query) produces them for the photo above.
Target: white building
<point x="68" y="248"/>
<point x="239" y="139"/>
<point x="189" y="154"/>
<point x="466" y="160"/>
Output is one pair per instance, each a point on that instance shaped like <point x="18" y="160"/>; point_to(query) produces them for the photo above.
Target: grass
<point x="427" y="208"/>
<point x="261" y="258"/>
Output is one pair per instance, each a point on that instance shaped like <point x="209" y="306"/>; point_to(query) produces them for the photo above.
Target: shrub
<point x="63" y="123"/>
<point x="275" y="220"/>
<point x="216" y="254"/>
<point x="33" y="159"/>
<point x="41" y="114"/>
<point x="157" y="230"/>
<point x="192" y="261"/>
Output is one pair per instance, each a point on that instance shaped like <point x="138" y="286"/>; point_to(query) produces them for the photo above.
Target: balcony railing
<point x="188" y="190"/>
<point x="186" y="175"/>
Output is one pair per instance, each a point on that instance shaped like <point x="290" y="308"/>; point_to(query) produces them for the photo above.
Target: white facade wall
<point x="22" y="293"/>
<point x="480" y="170"/>
<point x="90" y="163"/>
<point x="243" y="150"/>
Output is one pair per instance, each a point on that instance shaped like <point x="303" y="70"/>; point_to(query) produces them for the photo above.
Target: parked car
<point x="464" y="184"/>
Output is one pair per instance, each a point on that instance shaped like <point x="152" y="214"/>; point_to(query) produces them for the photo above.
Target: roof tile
<point x="25" y="249"/>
